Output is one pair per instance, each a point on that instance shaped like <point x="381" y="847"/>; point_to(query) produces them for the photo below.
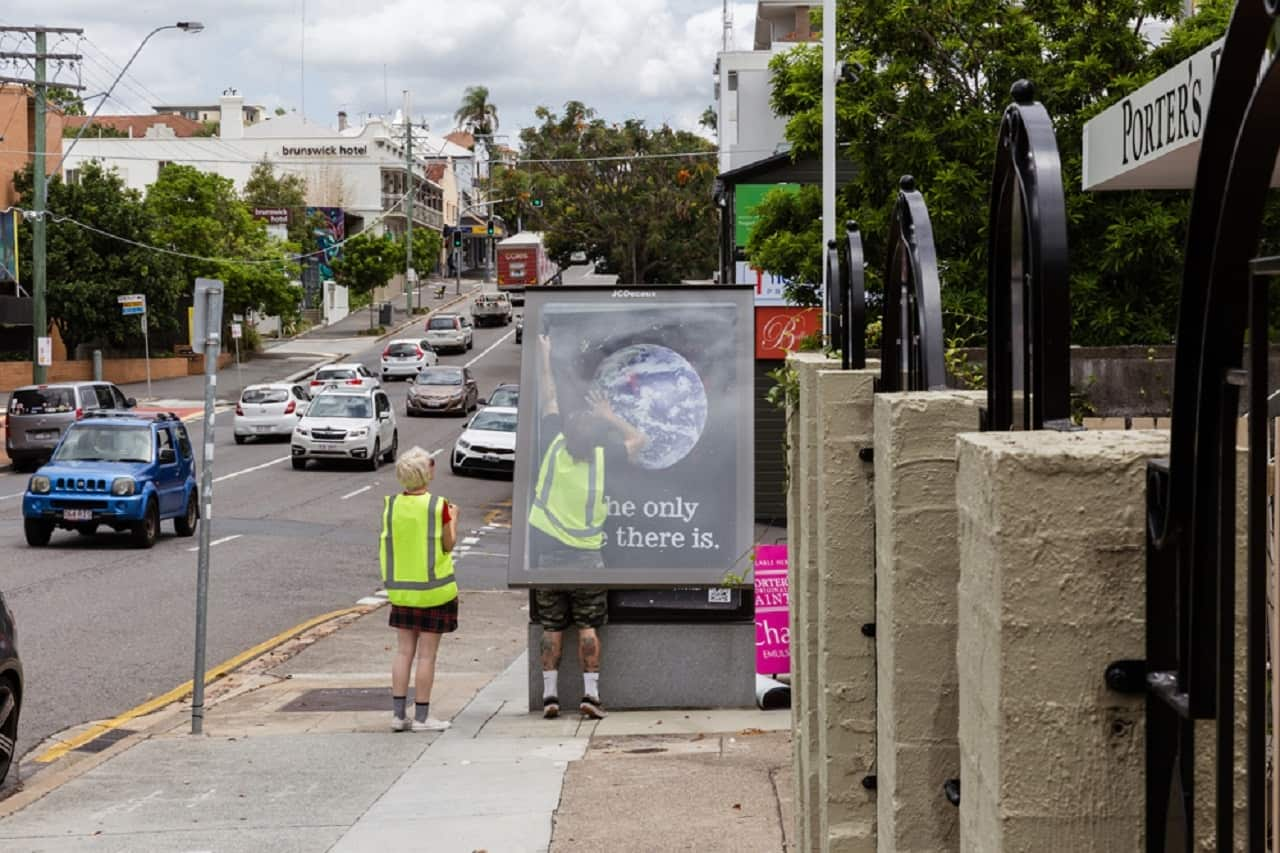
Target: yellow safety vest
<point x="416" y="569"/>
<point x="568" y="501"/>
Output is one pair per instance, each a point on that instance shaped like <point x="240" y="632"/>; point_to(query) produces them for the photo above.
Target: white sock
<point x="591" y="683"/>
<point x="549" y="678"/>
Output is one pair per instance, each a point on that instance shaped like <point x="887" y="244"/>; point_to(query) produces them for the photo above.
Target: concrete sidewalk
<point x="297" y="755"/>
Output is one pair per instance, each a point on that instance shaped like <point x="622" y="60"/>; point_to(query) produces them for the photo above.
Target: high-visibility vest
<point x="568" y="500"/>
<point x="416" y="569"/>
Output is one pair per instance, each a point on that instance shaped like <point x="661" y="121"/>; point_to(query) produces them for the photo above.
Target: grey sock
<point x="420" y="711"/>
<point x="397" y="706"/>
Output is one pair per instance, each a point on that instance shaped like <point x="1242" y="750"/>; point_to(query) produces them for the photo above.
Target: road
<point x="103" y="627"/>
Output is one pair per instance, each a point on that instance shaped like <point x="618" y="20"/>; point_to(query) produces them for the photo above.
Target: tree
<point x="427" y="244"/>
<point x="96" y="130"/>
<point x="265" y="189"/>
<point x="788" y="226"/>
<point x="639" y="198"/>
<point x="477" y="115"/>
<point x="87" y="270"/>
<point x="64" y="100"/>
<point x="367" y="262"/>
<point x="709" y="119"/>
<point x="201" y="215"/>
<point x="931" y="83"/>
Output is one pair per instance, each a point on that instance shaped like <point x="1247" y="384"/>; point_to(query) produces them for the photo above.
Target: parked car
<point x="269" y="410"/>
<point x="450" y="331"/>
<point x="119" y="469"/>
<point x="492" y="309"/>
<point x="442" y="389"/>
<point x="507" y="394"/>
<point x="10" y="688"/>
<point x="487" y="443"/>
<point x="39" y="414"/>
<point x="350" y="375"/>
<point x="520" y="329"/>
<point x="407" y="357"/>
<point x="347" y="424"/>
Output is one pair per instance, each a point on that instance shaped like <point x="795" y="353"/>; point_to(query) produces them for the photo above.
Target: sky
<point x="649" y="59"/>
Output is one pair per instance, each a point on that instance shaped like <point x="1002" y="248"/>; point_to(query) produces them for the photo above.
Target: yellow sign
<point x="484" y="230"/>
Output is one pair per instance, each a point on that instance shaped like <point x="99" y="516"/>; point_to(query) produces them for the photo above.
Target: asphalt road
<point x="103" y="627"/>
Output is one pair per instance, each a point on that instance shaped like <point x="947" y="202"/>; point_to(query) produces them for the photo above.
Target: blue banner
<point x="9" y="246"/>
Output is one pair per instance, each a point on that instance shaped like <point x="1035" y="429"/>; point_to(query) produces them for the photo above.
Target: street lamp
<point x="39" y="315"/>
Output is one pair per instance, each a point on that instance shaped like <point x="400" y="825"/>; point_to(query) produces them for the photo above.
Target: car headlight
<point x="463" y="445"/>
<point x="358" y="433"/>
<point x="302" y="431"/>
<point x="122" y="487"/>
<point x="40" y="485"/>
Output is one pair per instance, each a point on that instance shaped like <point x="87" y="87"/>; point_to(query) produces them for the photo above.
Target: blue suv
<point x="120" y="469"/>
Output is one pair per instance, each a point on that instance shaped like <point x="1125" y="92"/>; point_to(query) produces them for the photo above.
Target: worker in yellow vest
<point x="567" y="527"/>
<point x="419" y="530"/>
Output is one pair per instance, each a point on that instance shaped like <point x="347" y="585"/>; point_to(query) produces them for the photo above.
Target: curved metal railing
<point x="912" y="343"/>
<point x="847" y="298"/>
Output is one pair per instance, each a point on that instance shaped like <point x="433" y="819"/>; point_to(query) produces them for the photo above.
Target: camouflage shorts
<point x="558" y="608"/>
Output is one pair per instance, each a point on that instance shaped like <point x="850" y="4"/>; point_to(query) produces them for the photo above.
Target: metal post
<point x="39" y="318"/>
<point x="97" y="365"/>
<point x="828" y="144"/>
<point x="208" y="297"/>
<point x="146" y="352"/>
<point x="408" y="199"/>
<point x="457" y="269"/>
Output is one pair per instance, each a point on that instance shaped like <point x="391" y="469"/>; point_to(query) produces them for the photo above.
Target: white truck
<point x="491" y="309"/>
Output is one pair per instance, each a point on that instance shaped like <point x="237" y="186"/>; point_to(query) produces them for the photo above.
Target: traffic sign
<point x="129" y="310"/>
<point x="235" y="330"/>
<point x="132" y="297"/>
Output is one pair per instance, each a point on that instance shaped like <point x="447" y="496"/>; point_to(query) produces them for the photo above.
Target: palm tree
<point x="476" y="114"/>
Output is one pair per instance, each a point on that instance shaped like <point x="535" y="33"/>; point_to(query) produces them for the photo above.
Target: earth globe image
<point x="656" y="390"/>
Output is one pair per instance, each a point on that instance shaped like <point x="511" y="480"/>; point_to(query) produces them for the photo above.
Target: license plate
<point x="435" y="404"/>
<point x="492" y="457"/>
<point x="262" y="429"/>
<point x="43" y="435"/>
<point x="77" y="515"/>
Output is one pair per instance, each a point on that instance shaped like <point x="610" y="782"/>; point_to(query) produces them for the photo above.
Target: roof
<point x="288" y="125"/>
<point x="137" y="126"/>
<point x="461" y="137"/>
<point x="782" y="168"/>
<point x="524" y="238"/>
<point x="435" y="172"/>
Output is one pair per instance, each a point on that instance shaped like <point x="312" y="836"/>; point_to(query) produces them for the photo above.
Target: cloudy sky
<point x="650" y="59"/>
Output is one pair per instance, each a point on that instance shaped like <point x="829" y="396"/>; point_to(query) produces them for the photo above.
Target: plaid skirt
<point x="441" y="619"/>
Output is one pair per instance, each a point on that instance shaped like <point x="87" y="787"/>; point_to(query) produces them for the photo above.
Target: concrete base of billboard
<point x="658" y="665"/>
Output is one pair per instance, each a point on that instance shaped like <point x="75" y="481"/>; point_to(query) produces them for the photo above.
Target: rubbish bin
<point x="384" y="313"/>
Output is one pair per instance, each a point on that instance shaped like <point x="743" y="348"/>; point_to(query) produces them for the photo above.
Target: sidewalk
<point x="298" y="756"/>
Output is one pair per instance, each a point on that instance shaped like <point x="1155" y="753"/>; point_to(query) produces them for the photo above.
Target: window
<point x="160" y="166"/>
<point x="299" y="393"/>
<point x="41" y="401"/>
<point x="339" y="406"/>
<point x="495" y="421"/>
<point x="325" y="373"/>
<point x="446" y="323"/>
<point x="105" y="400"/>
<point x="439" y="376"/>
<point x="262" y="396"/>
<point x="164" y="441"/>
<point x="121" y="401"/>
<point x="73" y="177"/>
<point x="184" y="442"/>
<point x="88" y="399"/>
<point x="101" y="443"/>
<point x="733" y="81"/>
<point x="382" y="404"/>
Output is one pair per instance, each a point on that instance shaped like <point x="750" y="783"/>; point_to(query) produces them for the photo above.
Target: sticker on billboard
<point x="634" y="464"/>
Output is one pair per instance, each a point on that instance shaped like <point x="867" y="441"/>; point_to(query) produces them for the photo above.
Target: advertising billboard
<point x="9" y="247"/>
<point x="746" y="197"/>
<point x="636" y="434"/>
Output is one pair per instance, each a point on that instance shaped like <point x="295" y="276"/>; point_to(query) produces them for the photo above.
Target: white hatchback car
<point x="350" y="375"/>
<point x="347" y="424"/>
<point x="487" y="443"/>
<point x="271" y="409"/>
<point x="407" y="357"/>
<point x="450" y="331"/>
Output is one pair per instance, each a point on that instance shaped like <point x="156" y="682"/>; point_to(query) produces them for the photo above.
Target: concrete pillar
<point x="802" y="496"/>
<point x="846" y="662"/>
<point x="917" y="566"/>
<point x="1052" y="589"/>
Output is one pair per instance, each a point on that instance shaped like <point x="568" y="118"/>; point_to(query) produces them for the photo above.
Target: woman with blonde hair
<point x="419" y="530"/>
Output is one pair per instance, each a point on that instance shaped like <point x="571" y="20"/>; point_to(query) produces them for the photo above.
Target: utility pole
<point x="408" y="233"/>
<point x="40" y="85"/>
<point x="828" y="144"/>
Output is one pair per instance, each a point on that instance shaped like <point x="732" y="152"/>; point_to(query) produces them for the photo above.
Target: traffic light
<point x="457" y="239"/>
<point x="537" y="202"/>
<point x="489" y="228"/>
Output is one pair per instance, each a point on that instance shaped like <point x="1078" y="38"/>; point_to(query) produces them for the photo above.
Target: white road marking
<point x="491" y="348"/>
<point x="221" y="541"/>
<point x="251" y="470"/>
<point x="433" y="454"/>
<point x="470" y="540"/>
<point x="11" y="497"/>
<point x="356" y="492"/>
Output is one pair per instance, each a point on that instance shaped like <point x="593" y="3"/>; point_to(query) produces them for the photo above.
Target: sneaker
<point x="592" y="707"/>
<point x="399" y="724"/>
<point x="430" y="724"/>
<point x="550" y="708"/>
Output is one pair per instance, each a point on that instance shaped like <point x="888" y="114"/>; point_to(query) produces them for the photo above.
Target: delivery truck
<point x="523" y="262"/>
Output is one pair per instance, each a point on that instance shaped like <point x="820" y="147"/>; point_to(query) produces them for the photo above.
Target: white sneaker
<point x="399" y="724"/>
<point x="431" y="724"/>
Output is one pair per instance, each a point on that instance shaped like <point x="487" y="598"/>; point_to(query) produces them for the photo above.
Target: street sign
<point x="235" y="331"/>
<point x="44" y="351"/>
<point x="207" y="316"/>
<point x="140" y="298"/>
<point x="129" y="310"/>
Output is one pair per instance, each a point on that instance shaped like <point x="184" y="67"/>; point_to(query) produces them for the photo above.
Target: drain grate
<point x="105" y="740"/>
<point x="341" y="699"/>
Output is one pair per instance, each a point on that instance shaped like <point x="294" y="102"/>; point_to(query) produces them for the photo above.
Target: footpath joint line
<point x="53" y="753"/>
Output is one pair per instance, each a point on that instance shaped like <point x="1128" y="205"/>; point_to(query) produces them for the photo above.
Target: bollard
<point x="97" y="365"/>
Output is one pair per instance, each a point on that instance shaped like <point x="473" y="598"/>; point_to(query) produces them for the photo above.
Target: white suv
<point x="407" y="357"/>
<point x="341" y="424"/>
<point x="450" y="331"/>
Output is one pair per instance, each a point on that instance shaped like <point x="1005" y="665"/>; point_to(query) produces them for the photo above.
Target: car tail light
<point x="315" y="382"/>
<point x="79" y="414"/>
<point x="289" y="409"/>
<point x="418" y="353"/>
<point x="353" y="381"/>
<point x="386" y="353"/>
<point x="239" y="410"/>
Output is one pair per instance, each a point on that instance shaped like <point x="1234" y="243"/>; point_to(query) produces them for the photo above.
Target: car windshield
<point x="445" y="323"/>
<point x="439" y="377"/>
<point x="505" y="397"/>
<point x="339" y="406"/>
<point x="331" y="373"/>
<point x="496" y="421"/>
<point x="99" y="443"/>
<point x="402" y="349"/>
<point x="264" y="395"/>
<point x="42" y="401"/>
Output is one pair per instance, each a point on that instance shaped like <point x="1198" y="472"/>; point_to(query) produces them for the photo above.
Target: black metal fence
<point x="912" y="339"/>
<point x="847" y="299"/>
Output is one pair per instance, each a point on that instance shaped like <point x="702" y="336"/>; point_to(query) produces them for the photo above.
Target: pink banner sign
<point x="773" y="621"/>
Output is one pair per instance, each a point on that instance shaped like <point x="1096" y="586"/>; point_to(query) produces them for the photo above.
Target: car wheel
<point x="185" y="525"/>
<point x="38" y="532"/>
<point x="395" y="446"/>
<point x="299" y="464"/>
<point x="146" y="531"/>
<point x="374" y="458"/>
<point x="453" y="466"/>
<point x="89" y="528"/>
<point x="10" y="706"/>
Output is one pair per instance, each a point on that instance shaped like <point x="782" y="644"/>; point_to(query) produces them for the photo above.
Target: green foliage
<point x="265" y="189"/>
<point x="652" y="220"/>
<point x="87" y="271"/>
<point x="476" y="114"/>
<point x="787" y="241"/>
<point x="709" y="119"/>
<point x="427" y="244"/>
<point x="366" y="263"/>
<point x="785" y="391"/>
<point x="64" y="100"/>
<point x="94" y="131"/>
<point x="931" y="82"/>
